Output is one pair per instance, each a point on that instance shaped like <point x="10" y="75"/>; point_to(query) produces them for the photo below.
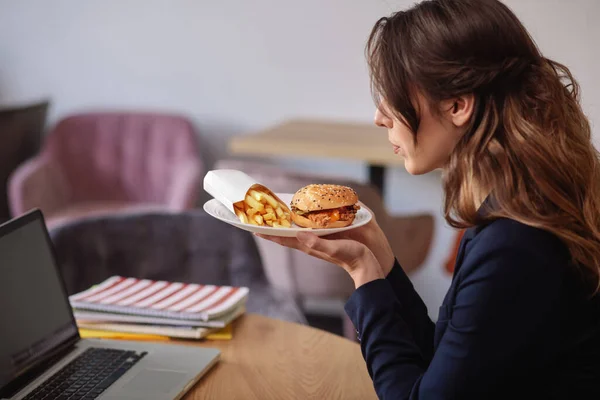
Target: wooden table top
<point x="321" y="139"/>
<point x="273" y="359"/>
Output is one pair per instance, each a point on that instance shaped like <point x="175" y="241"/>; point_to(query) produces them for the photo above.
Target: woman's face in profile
<point x="434" y="141"/>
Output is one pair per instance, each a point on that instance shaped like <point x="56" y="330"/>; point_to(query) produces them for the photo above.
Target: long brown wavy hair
<point x="528" y="142"/>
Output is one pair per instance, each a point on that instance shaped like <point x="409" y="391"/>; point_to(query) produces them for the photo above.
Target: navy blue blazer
<point x="517" y="322"/>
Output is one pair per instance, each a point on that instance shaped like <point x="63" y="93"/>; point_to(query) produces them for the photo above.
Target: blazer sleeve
<point x="414" y="310"/>
<point x="504" y="304"/>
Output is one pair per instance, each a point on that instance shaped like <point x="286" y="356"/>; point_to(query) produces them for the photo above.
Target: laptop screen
<point x="35" y="316"/>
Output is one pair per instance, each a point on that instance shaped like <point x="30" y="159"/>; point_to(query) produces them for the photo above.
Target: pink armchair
<point x="99" y="163"/>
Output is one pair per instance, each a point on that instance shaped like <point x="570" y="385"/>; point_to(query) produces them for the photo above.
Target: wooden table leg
<point x="377" y="177"/>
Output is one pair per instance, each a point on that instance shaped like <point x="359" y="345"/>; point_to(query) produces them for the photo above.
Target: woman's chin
<point x="414" y="168"/>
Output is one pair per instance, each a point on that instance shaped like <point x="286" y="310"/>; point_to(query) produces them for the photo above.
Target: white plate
<point x="219" y="211"/>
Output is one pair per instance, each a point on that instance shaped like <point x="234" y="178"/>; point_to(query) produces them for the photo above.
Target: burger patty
<point x="324" y="217"/>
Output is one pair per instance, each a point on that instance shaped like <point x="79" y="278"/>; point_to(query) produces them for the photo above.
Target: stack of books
<point x="131" y="306"/>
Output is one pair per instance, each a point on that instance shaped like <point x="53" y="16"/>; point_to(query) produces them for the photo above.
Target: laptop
<point x="41" y="353"/>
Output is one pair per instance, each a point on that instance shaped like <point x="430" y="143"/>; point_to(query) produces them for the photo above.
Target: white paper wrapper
<point x="230" y="186"/>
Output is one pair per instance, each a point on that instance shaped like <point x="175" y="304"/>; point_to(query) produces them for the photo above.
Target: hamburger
<point x="324" y="206"/>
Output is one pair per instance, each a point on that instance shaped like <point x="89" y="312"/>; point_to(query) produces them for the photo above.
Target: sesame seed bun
<point x="323" y="197"/>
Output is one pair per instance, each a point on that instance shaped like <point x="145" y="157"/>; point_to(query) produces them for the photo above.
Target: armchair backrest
<point x="190" y="247"/>
<point x="116" y="156"/>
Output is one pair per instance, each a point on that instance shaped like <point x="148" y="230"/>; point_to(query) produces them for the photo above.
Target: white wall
<point x="235" y="66"/>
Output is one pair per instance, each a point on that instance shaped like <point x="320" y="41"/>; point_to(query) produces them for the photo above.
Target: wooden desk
<point x="323" y="139"/>
<point x="272" y="359"/>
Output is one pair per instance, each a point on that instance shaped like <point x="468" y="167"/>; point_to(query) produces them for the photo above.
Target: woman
<point x="461" y="86"/>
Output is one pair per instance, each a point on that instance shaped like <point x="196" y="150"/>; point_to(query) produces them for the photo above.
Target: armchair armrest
<point x="185" y="187"/>
<point x="38" y="183"/>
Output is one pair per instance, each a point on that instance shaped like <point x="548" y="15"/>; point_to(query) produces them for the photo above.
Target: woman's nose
<point x="381" y="120"/>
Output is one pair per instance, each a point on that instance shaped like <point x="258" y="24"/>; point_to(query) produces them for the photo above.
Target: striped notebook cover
<point x="160" y="298"/>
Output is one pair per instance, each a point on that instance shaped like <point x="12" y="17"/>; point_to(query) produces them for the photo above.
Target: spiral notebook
<point x="85" y="316"/>
<point x="160" y="299"/>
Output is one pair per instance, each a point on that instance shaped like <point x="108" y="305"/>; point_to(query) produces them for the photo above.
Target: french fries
<point x="262" y="209"/>
<point x="241" y="215"/>
<point x="253" y="203"/>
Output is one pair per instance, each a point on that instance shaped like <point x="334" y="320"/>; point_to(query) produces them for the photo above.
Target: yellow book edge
<point x="225" y="333"/>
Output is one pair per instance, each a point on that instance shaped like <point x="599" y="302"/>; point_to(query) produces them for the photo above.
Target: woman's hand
<point x="372" y="236"/>
<point x="353" y="256"/>
<point x="363" y="252"/>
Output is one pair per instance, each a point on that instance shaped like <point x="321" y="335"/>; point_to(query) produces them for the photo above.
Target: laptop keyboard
<point x="88" y="375"/>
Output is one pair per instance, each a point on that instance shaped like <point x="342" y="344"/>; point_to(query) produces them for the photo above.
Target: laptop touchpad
<point x="155" y="381"/>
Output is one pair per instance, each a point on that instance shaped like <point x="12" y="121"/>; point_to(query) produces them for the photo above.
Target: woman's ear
<point x="461" y="110"/>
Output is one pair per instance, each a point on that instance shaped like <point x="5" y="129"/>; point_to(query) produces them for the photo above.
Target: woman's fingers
<point x="307" y="245"/>
<point x="290" y="242"/>
<point x="340" y="252"/>
<point x="304" y="241"/>
<point x="284" y="241"/>
<point x="293" y="243"/>
<point x="332" y="248"/>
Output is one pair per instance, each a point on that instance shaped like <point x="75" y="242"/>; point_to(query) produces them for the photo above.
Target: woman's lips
<point x="397" y="149"/>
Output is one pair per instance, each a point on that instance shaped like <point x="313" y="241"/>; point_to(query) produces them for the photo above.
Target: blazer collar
<point x="488" y="205"/>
